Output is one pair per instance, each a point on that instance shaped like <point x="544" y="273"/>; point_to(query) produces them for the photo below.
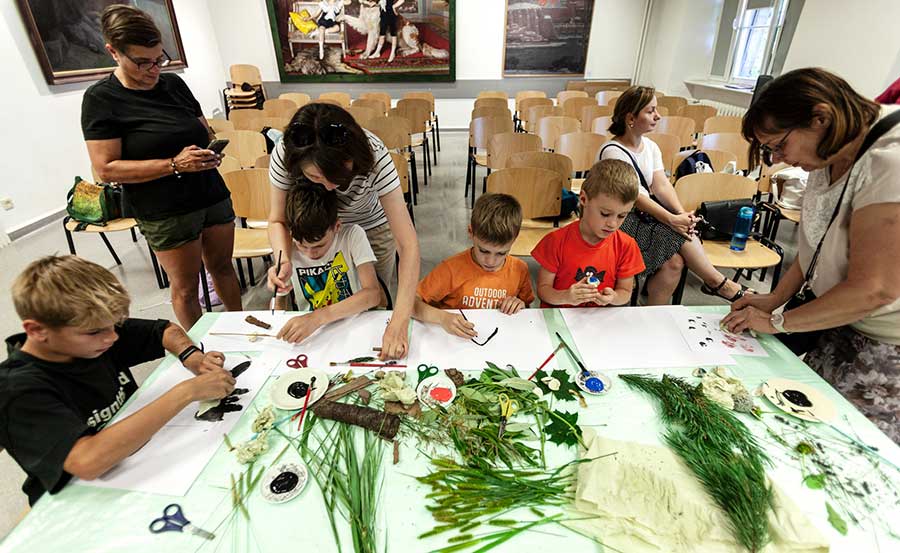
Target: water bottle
<point x="742" y="229"/>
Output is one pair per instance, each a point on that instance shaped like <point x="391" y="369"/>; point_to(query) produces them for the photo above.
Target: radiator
<point x="725" y="109"/>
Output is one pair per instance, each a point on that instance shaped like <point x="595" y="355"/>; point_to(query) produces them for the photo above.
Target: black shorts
<point x="388" y="25"/>
<point x="325" y="22"/>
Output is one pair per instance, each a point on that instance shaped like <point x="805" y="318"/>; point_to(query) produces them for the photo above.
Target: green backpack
<point x="93" y="204"/>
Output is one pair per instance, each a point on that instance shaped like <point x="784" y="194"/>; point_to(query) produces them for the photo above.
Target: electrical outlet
<point x="7" y="203"/>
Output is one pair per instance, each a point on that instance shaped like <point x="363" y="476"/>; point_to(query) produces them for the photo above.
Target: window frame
<point x="775" y="32"/>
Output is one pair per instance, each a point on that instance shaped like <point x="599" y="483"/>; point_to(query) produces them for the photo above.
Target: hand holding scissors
<point x="508" y="408"/>
<point x="173" y="520"/>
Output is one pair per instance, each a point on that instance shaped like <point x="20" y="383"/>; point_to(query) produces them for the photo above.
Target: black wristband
<point x="188" y="351"/>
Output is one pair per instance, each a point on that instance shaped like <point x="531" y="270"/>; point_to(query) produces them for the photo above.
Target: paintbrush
<point x="592" y="383"/>
<point x="275" y="292"/>
<point x="312" y="383"/>
<point x="544" y="364"/>
<point x="584" y="371"/>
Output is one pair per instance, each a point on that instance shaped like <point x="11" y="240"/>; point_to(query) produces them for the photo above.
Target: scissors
<point x="426" y="371"/>
<point x="298" y="362"/>
<point x="508" y="408"/>
<point x="173" y="520"/>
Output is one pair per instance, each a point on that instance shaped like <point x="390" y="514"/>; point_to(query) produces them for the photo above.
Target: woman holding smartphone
<point x="145" y="130"/>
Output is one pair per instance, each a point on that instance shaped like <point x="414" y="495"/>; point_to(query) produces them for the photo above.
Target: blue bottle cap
<point x="746" y="212"/>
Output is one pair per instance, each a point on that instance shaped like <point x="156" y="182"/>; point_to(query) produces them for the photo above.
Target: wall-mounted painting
<point x="546" y="37"/>
<point x="354" y="40"/>
<point x="66" y="36"/>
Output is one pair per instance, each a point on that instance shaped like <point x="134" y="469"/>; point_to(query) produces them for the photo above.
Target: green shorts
<point x="174" y="232"/>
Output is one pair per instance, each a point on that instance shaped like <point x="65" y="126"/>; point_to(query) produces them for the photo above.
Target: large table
<point x="83" y="518"/>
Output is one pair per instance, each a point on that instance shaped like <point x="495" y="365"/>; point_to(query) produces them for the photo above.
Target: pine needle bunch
<point x="723" y="454"/>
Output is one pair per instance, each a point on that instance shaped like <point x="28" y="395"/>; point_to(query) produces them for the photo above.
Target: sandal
<point x="715" y="291"/>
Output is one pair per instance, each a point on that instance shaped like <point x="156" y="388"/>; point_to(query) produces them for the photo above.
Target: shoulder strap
<point x="637" y="169"/>
<point x="879" y="130"/>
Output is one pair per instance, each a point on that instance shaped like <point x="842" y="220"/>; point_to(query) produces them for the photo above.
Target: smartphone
<point x="217" y="145"/>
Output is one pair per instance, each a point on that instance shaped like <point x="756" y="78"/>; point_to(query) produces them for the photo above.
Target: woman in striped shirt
<point x="324" y="146"/>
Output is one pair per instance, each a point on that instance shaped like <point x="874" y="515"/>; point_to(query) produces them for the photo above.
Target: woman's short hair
<point x="788" y="102"/>
<point x="124" y="26"/>
<point x="327" y="136"/>
<point x="631" y="101"/>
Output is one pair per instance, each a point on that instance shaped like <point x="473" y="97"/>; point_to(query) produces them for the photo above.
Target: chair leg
<point x="160" y="282"/>
<point x="474" y="180"/>
<point x="434" y="142"/>
<point x="468" y="170"/>
<point x="437" y="126"/>
<point x="427" y="145"/>
<point x="133" y="235"/>
<point x="635" y="291"/>
<point x="241" y="279"/>
<point x="414" y="171"/>
<point x="679" y="290"/>
<point x="71" y="241"/>
<point x="110" y="248"/>
<point x="484" y="181"/>
<point x="205" y="286"/>
<point x="250" y="272"/>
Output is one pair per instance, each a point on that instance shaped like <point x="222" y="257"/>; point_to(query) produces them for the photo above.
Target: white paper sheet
<point x="701" y="332"/>
<point x="174" y="457"/>
<point x="522" y="340"/>
<point x="635" y="338"/>
<point x="234" y="322"/>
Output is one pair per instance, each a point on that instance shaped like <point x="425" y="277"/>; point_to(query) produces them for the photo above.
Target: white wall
<point x="42" y="143"/>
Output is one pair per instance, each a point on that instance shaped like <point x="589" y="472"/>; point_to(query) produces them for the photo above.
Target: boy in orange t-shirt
<point x="590" y="262"/>
<point x="482" y="277"/>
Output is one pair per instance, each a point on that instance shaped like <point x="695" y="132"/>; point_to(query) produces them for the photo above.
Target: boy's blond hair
<point x="612" y="177"/>
<point x="496" y="218"/>
<point x="69" y="291"/>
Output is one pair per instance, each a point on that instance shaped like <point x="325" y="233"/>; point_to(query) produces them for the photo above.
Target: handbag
<point x="717" y="218"/>
<point x="93" y="204"/>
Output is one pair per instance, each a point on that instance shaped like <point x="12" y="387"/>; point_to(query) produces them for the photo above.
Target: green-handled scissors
<point x="508" y="408"/>
<point x="425" y="371"/>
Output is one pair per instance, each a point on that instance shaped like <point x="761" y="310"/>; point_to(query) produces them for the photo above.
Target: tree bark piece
<point x="383" y="424"/>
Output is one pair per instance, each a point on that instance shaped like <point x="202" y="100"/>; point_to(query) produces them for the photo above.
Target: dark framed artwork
<point x="66" y="38"/>
<point x="546" y="37"/>
<point x="425" y="31"/>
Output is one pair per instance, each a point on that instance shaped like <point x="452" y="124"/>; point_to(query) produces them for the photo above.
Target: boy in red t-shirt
<point x="482" y="277"/>
<point x="590" y="262"/>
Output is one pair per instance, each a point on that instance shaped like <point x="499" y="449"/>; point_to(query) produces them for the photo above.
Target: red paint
<point x="441" y="394"/>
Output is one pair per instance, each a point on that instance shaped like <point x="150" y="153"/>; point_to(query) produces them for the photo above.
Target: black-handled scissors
<point x="173" y="520"/>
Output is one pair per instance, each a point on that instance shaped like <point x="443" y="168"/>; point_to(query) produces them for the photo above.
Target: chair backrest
<point x="591" y="112"/>
<point x="699" y="113"/>
<point x="331" y="101"/>
<point x="536" y="113"/>
<point x="558" y="163"/>
<point x="593" y="88"/>
<point x="692" y="190"/>
<point x="729" y="142"/>
<point x="279" y="123"/>
<point x="502" y="145"/>
<point x="605" y="97"/>
<point x="491" y="102"/>
<point x="764" y="183"/>
<point x="394" y="131"/>
<point x="418" y="112"/>
<point x="280" y="108"/>
<point x="362" y="115"/>
<point x="219" y="125"/>
<point x="669" y="145"/>
<point x="662" y="111"/>
<point x="262" y="162"/>
<point x="550" y="128"/>
<point x="402" y="168"/>
<point x="299" y="98"/>
<point x="246" y="119"/>
<point x="564" y="95"/>
<point x="375" y="104"/>
<point x="341" y="97"/>
<point x="722" y="123"/>
<point x="539" y="191"/>
<point x="682" y="127"/>
<point x="482" y="129"/>
<point x="528" y="95"/>
<point x="582" y="147"/>
<point x="490" y="111"/>
<point x="245" y="73"/>
<point x="717" y="158"/>
<point x="249" y="192"/>
<point x="600" y="125"/>
<point x="672" y="103"/>
<point x="383" y="96"/>
<point x="574" y="107"/>
<point x="229" y="163"/>
<point x="416" y="95"/>
<point x="528" y="103"/>
<point x="246" y="146"/>
<point x="493" y="94"/>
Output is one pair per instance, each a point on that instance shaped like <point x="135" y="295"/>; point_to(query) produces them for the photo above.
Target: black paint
<point x="284" y="482"/>
<point x="797" y="397"/>
<point x="298" y="390"/>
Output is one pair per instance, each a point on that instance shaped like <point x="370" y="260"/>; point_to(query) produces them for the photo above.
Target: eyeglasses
<point x="332" y="134"/>
<point x="769" y="151"/>
<point x="489" y="338"/>
<point x="162" y="61"/>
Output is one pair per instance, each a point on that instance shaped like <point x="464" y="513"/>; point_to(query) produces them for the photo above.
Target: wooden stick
<point x="247" y="334"/>
<point x="377" y="365"/>
<point x="356" y="384"/>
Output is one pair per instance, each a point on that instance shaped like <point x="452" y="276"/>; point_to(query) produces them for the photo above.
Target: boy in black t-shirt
<point x="69" y="373"/>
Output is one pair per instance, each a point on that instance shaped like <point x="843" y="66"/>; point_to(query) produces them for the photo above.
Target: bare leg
<point x="380" y="45"/>
<point x="393" y="48"/>
<point x="182" y="264"/>
<point x="218" y="244"/>
<point x="321" y="31"/>
<point x="699" y="264"/>
<point x="663" y="283"/>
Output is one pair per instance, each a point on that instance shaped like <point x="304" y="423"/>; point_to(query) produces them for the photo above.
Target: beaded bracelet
<point x="174" y="168"/>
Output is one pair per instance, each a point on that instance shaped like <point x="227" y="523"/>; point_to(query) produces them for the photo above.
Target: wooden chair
<point x="564" y="95"/>
<point x="241" y="73"/>
<point x="418" y="112"/>
<point x="279" y="108"/>
<point x="692" y="190"/>
<point x="539" y="192"/>
<point x="299" y="98"/>
<point x="342" y="98"/>
<point x="669" y="145"/>
<point x="662" y="111"/>
<point x="591" y="112"/>
<point x="527" y="95"/>
<point x="551" y="161"/>
<point x="480" y="132"/>
<point x="729" y="142"/>
<point x="606" y="97"/>
<point x="550" y="128"/>
<point x="574" y="107"/>
<point x="672" y="103"/>
<point x="525" y="122"/>
<point x="682" y="127"/>
<point x="375" y="104"/>
<point x="362" y="114"/>
<point x="219" y="125"/>
<point x="246" y="119"/>
<point x="722" y="123"/>
<point x="600" y="125"/>
<point x="490" y="112"/>
<point x="435" y="123"/>
<point x="503" y="145"/>
<point x="229" y="163"/>
<point x="246" y="146"/>
<point x="384" y="97"/>
<point x="401" y="164"/>
<point x="493" y="94"/>
<point x="583" y="148"/>
<point x="396" y="134"/>
<point x="262" y="162"/>
<point x="250" y="199"/>
<point x="492" y="102"/>
<point x="718" y="158"/>
<point x="699" y="113"/>
<point x="279" y="123"/>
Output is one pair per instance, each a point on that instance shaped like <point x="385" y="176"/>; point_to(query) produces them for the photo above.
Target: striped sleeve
<point x="279" y="176"/>
<point x="383" y="177"/>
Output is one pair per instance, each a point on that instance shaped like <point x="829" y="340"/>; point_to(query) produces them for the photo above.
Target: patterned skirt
<point x="657" y="241"/>
<point x="864" y="371"/>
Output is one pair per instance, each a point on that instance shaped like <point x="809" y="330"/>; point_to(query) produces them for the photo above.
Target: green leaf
<point x="563" y="428"/>
<point x="566" y="386"/>
<point x="835" y="519"/>
<point x="517" y="384"/>
<point x="814" y="481"/>
<point x="473" y="394"/>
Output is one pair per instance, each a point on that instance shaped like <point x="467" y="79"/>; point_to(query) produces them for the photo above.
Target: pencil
<point x="275" y="292"/>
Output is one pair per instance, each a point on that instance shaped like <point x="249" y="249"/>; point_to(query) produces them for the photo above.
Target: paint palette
<point x="289" y="391"/>
<point x="592" y="382"/>
<point x="437" y="390"/>
<point x="798" y="399"/>
<point x="284" y="482"/>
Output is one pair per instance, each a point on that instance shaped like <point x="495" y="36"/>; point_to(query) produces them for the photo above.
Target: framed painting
<point x="364" y="40"/>
<point x="546" y="37"/>
<point x="66" y="37"/>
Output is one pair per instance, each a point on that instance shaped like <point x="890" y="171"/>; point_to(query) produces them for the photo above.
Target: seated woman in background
<point x="659" y="223"/>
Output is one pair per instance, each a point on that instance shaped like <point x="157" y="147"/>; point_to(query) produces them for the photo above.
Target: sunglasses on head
<point x="332" y="134"/>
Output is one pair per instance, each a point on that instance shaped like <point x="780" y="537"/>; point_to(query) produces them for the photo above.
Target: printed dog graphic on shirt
<point x="325" y="284"/>
<point x="589" y="272"/>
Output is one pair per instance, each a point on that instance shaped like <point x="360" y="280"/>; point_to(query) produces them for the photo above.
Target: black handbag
<point x="717" y="219"/>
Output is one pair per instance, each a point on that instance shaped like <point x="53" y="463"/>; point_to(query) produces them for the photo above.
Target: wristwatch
<point x="777" y="321"/>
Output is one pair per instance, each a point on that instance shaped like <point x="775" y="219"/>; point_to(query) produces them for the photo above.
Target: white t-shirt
<point x="333" y="277"/>
<point x="329" y="11"/>
<point x="358" y="204"/>
<point x="649" y="159"/>
<point x="875" y="180"/>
